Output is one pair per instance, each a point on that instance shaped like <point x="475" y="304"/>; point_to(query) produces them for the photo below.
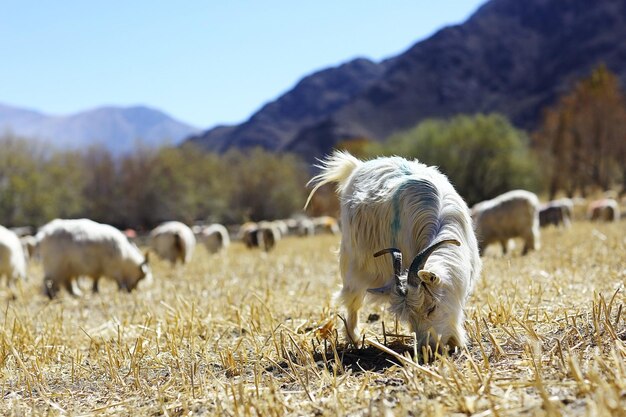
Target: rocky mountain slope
<point x="513" y="57"/>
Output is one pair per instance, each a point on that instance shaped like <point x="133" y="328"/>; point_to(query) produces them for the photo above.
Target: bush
<point x="270" y="187"/>
<point x="483" y="155"/>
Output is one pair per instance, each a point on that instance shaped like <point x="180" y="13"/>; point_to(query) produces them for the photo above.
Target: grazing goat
<point x="326" y="224"/>
<point x="12" y="258"/>
<point x="554" y="213"/>
<point x="301" y="226"/>
<point x="262" y="235"/>
<point x="73" y="248"/>
<point x="214" y="237"/>
<point x="392" y="205"/>
<point x="568" y="206"/>
<point x="173" y="241"/>
<point x="509" y="215"/>
<point x="606" y="210"/>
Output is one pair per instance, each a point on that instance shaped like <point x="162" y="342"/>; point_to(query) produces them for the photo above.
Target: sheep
<point x="173" y="241"/>
<point x="12" y="257"/>
<point x="81" y="247"/>
<point x="299" y="226"/>
<point x="215" y="237"/>
<point x="259" y="235"/>
<point x="281" y="227"/>
<point x="509" y="215"/>
<point x="568" y="206"/>
<point x="606" y="210"/>
<point x="302" y="226"/>
<point x="556" y="213"/>
<point x="326" y="224"/>
<point x="401" y="207"/>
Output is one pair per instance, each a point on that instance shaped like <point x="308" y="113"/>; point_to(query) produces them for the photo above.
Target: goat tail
<point x="335" y="168"/>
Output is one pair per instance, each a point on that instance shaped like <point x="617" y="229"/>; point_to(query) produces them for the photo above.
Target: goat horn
<point x="421" y="258"/>
<point x="397" y="261"/>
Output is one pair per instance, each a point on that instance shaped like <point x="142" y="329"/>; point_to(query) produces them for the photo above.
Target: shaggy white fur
<point x="509" y="215"/>
<point x="394" y="202"/>
<point x="173" y="241"/>
<point x="12" y="256"/>
<point x="72" y="248"/>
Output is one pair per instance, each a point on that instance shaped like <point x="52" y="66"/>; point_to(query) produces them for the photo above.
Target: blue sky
<point x="203" y="62"/>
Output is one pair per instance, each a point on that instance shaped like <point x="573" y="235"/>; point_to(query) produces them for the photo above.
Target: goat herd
<point x="389" y="205"/>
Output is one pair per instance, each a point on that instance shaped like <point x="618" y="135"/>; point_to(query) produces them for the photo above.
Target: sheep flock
<point x="405" y="302"/>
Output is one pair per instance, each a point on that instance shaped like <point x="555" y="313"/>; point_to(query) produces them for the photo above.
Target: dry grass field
<point x="254" y="334"/>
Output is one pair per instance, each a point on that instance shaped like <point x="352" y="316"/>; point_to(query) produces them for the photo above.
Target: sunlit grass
<point x="250" y="333"/>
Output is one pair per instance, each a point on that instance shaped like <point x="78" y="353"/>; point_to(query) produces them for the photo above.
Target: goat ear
<point x="386" y="289"/>
<point x="428" y="277"/>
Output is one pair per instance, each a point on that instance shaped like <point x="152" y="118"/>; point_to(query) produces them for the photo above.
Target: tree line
<point x="146" y="187"/>
<point x="579" y="147"/>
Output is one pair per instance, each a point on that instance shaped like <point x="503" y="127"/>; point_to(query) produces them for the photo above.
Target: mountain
<point x="116" y="128"/>
<point x="312" y="100"/>
<point x="513" y="57"/>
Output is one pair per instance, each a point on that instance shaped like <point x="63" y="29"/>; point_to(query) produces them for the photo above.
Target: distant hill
<point x="312" y="100"/>
<point x="116" y="128"/>
<point x="510" y="56"/>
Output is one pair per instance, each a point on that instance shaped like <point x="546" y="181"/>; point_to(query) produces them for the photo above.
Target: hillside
<point x="511" y="57"/>
<point x="312" y="100"/>
<point x="116" y="128"/>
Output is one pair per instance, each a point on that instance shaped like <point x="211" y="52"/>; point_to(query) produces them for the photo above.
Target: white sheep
<point x="392" y="205"/>
<point x="214" y="237"/>
<point x="554" y="213"/>
<point x="82" y="247"/>
<point x="509" y="215"/>
<point x="281" y="227"/>
<point x="567" y="204"/>
<point x="606" y="210"/>
<point x="262" y="235"/>
<point x="12" y="257"/>
<point x="326" y="224"/>
<point x="173" y="241"/>
<point x="301" y="226"/>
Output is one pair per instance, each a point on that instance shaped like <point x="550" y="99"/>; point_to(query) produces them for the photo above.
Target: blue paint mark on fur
<point x="405" y="168"/>
<point x="397" y="196"/>
<point x="422" y="190"/>
<point x="395" y="223"/>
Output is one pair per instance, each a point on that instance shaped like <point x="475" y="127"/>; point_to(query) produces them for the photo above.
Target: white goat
<point x="404" y="208"/>
<point x="215" y="237"/>
<point x="82" y="247"/>
<point x="606" y="210"/>
<point x="556" y="213"/>
<point x="262" y="235"/>
<point x="12" y="257"/>
<point x="509" y="215"/>
<point x="173" y="241"/>
<point x="568" y="206"/>
<point x="326" y="224"/>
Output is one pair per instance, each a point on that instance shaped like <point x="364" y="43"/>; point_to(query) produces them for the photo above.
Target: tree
<point x="583" y="137"/>
<point x="101" y="189"/>
<point x="482" y="155"/>
<point x="265" y="186"/>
